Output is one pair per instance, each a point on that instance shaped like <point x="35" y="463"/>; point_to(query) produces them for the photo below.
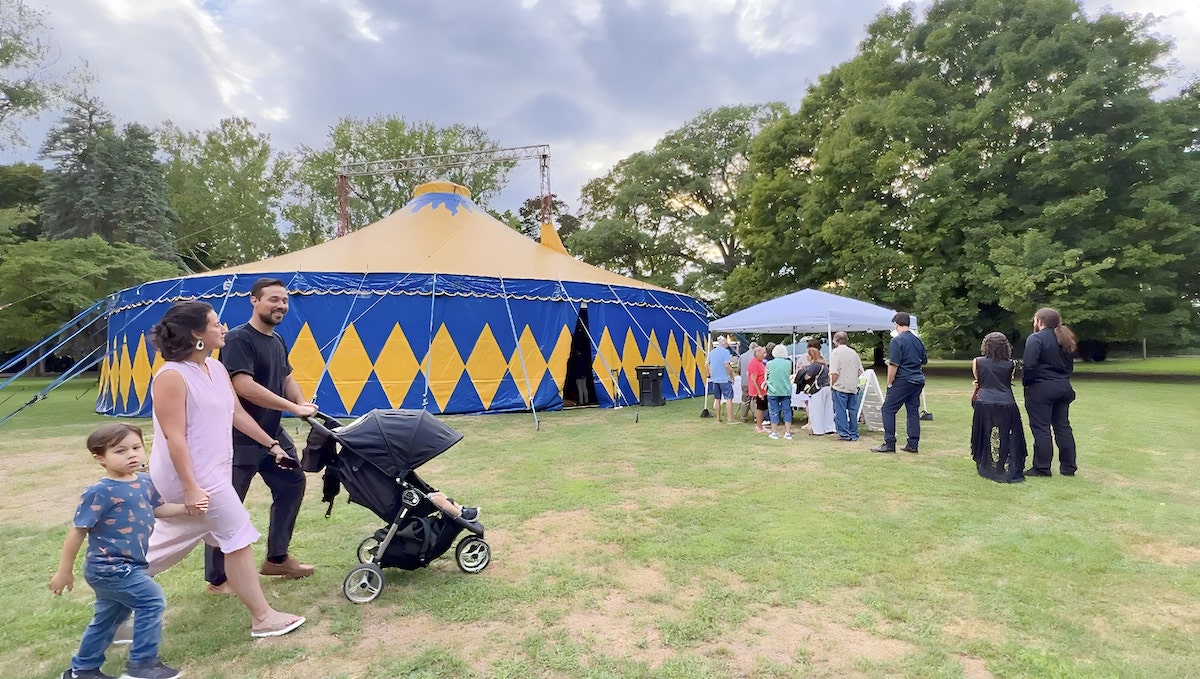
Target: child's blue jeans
<point x="117" y="595"/>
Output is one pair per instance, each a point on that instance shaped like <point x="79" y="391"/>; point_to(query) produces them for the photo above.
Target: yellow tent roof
<point x="441" y="230"/>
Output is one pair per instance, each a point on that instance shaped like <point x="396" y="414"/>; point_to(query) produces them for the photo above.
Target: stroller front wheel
<point x="368" y="550"/>
<point x="472" y="554"/>
<point x="363" y="583"/>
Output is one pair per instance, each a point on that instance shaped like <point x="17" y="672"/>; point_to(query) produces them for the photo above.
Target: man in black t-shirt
<point x="257" y="361"/>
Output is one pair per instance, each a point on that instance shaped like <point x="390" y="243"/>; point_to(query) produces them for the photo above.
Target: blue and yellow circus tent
<point x="437" y="306"/>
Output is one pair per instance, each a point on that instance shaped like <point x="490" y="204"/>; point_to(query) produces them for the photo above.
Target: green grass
<point x="1167" y="366"/>
<point x="674" y="546"/>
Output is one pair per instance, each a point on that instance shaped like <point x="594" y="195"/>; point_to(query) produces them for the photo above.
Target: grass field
<point x="674" y="546"/>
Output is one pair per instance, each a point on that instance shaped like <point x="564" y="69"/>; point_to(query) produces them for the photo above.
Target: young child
<point x="116" y="516"/>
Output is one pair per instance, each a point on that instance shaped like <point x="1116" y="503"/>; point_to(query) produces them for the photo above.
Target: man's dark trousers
<point x="907" y="394"/>
<point x="1047" y="404"/>
<point x="287" y="492"/>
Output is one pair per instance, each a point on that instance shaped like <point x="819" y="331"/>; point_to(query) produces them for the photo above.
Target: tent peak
<point x="441" y="186"/>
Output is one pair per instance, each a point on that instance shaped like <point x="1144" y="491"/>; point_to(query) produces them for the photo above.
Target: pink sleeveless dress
<point x="209" y="434"/>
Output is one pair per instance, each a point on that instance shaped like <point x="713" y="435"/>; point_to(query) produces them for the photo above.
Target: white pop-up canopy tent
<point x="808" y="311"/>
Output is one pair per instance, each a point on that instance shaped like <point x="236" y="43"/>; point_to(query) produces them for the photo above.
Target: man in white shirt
<point x="845" y="367"/>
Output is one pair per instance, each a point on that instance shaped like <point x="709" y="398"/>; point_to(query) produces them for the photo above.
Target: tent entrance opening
<point x="578" y="387"/>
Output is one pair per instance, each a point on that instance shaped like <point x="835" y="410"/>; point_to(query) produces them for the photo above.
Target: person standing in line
<point x="996" y="416"/>
<point x="757" y="373"/>
<point x="815" y="379"/>
<point x="845" y="367"/>
<point x="1046" y="375"/>
<point x="905" y="382"/>
<point x="779" y="392"/>
<point x="257" y="361"/>
<point x="722" y="381"/>
<point x="747" y="405"/>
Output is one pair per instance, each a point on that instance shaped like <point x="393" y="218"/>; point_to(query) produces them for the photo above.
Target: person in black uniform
<point x="905" y="382"/>
<point x="257" y="361"/>
<point x="1048" y="393"/>
<point x="997" y="435"/>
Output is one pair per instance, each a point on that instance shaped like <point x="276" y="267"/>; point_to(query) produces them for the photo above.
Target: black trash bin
<point x="650" y="379"/>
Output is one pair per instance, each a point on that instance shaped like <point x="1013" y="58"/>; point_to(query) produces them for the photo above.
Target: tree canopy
<point x="991" y="158"/>
<point x="45" y="283"/>
<point x="312" y="204"/>
<point x="105" y="181"/>
<point x="226" y="186"/>
<point x="668" y="215"/>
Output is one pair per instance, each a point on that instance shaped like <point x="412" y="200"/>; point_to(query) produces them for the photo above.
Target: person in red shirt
<point x="756" y="373"/>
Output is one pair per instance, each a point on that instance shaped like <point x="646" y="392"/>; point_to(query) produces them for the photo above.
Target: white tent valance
<point x="808" y="311"/>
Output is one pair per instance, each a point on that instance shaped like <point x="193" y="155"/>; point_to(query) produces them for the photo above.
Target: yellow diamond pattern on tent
<point x="702" y="356"/>
<point x="307" y="363"/>
<point x="606" y="359"/>
<point x="689" y="361"/>
<point x="653" y="353"/>
<point x="631" y="358"/>
<point x="349" y="367"/>
<point x="113" y="362"/>
<point x="530" y="375"/>
<point x="673" y="360"/>
<point x="396" y="367"/>
<point x="141" y="371"/>
<point x="558" y="358"/>
<point x="444" y="365"/>
<point x="158" y="363"/>
<point x="487" y="366"/>
<point x="103" y="384"/>
<point x="124" y="373"/>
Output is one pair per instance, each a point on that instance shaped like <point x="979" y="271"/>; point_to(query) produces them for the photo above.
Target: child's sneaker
<point x="154" y="669"/>
<point x="470" y="513"/>
<point x="85" y="674"/>
<point x="773" y="435"/>
<point x="788" y="436"/>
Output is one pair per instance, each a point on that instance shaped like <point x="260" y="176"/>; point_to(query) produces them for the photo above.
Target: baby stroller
<point x="376" y="463"/>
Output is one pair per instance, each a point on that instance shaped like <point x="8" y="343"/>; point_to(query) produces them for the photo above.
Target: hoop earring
<point x="200" y="344"/>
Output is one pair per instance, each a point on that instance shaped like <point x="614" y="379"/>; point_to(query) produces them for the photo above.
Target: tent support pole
<point x="537" y="425"/>
<point x="429" y="348"/>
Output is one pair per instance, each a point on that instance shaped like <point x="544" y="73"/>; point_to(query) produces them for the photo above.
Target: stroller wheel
<point x="368" y="549"/>
<point x="473" y="554"/>
<point x="363" y="583"/>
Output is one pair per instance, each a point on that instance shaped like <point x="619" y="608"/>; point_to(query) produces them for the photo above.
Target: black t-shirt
<point x="265" y="359"/>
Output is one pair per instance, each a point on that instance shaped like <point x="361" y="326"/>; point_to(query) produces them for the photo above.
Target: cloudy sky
<point x="595" y="79"/>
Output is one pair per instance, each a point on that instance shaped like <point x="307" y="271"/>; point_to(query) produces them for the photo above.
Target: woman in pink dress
<point x="195" y="411"/>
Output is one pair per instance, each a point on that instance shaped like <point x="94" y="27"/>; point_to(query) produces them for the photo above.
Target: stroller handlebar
<point x="321" y="422"/>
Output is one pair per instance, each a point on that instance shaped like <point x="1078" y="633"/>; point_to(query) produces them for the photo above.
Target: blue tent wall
<point x="453" y="344"/>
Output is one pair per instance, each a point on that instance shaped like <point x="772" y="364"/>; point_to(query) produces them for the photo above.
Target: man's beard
<point x="269" y="317"/>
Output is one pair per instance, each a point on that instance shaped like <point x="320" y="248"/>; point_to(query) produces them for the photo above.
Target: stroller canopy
<point x="398" y="441"/>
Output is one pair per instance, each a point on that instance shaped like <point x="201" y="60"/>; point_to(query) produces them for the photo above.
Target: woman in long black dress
<point x="997" y="435"/>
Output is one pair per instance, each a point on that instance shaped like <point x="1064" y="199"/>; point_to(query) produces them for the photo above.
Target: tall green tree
<point x="530" y="214"/>
<point x="26" y="85"/>
<point x="105" y="181"/>
<point x="311" y="205"/>
<point x="19" y="184"/>
<point x="668" y="214"/>
<point x="992" y="158"/>
<point x="45" y="283"/>
<point x="226" y="187"/>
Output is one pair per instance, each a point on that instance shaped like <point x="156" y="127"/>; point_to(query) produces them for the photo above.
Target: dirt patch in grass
<point x="812" y="636"/>
<point x="43" y="485"/>
<point x="1168" y="553"/>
